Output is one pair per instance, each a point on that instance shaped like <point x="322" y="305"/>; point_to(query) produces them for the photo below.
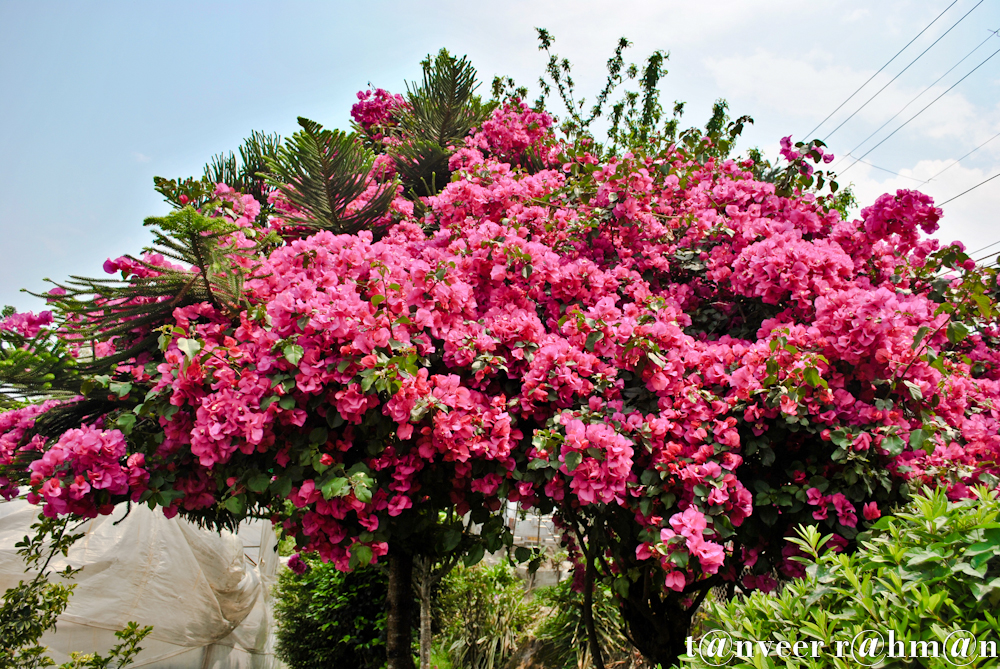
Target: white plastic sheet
<point x="206" y="594"/>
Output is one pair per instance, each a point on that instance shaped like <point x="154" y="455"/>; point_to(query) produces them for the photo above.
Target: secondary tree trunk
<point x="657" y="627"/>
<point x="400" y="604"/>
<point x="426" y="584"/>
<point x="588" y="610"/>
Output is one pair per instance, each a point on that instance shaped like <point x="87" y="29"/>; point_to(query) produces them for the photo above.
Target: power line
<point x="984" y="248"/>
<point x="830" y="134"/>
<point x="915" y="98"/>
<point x="808" y="134"/>
<point x="970" y="190"/>
<point x="963" y="158"/>
<point x="921" y="111"/>
<point x="884" y="169"/>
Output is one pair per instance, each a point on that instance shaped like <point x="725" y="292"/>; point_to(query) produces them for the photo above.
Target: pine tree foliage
<point x="321" y="172"/>
<point x="440" y="112"/>
<point x="106" y="310"/>
<point x="32" y="368"/>
<point x="247" y="174"/>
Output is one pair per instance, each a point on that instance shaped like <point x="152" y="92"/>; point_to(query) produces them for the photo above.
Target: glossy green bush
<point x="931" y="569"/>
<point x="327" y="618"/>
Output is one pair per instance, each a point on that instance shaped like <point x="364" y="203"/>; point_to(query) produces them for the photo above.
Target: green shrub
<point x="564" y="636"/>
<point x="483" y="616"/>
<point x="32" y="607"/>
<point x="327" y="618"/>
<point x="928" y="571"/>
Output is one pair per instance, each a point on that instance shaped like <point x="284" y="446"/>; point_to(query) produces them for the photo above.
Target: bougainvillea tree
<point x="380" y="338"/>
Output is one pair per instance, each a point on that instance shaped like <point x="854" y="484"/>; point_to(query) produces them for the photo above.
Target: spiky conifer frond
<point x="321" y="172"/>
<point x="35" y="368"/>
<point x="247" y="174"/>
<point x="439" y="114"/>
<point x="443" y="108"/>
<point x="129" y="312"/>
<point x="423" y="166"/>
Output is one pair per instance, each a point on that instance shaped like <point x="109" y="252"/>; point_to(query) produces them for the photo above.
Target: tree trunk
<point x="426" y="581"/>
<point x="399" y="601"/>
<point x="588" y="609"/>
<point x="657" y="627"/>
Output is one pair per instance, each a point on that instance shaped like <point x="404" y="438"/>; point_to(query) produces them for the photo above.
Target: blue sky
<point x="99" y="97"/>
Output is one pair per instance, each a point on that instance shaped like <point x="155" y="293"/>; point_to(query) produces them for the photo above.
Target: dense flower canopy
<point x="662" y="334"/>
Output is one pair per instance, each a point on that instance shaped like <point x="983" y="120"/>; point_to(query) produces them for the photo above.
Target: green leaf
<point x="915" y="391"/>
<point x="259" y="482"/>
<point x="377" y="300"/>
<point x="338" y="486"/>
<point x="281" y="486"/>
<point x="450" y="539"/>
<point x="957" y="331"/>
<point x="919" y="337"/>
<point x="361" y="556"/>
<point x="120" y="389"/>
<point x="592" y="340"/>
<point x="189" y="347"/>
<point x="474" y="556"/>
<point x="918" y="437"/>
<point x="319" y="435"/>
<point x="293" y="353"/>
<point x="893" y="445"/>
<point x="126" y="422"/>
<point x="984" y="304"/>
<point x="572" y="460"/>
<point x="287" y="402"/>
<point x="522" y="554"/>
<point x="235" y="505"/>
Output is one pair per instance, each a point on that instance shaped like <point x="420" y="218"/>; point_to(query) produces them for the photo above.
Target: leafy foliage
<point x="248" y="174"/>
<point x="328" y="618"/>
<point x="33" y="367"/>
<point x="566" y="645"/>
<point x="106" y="310"/>
<point x="438" y="115"/>
<point x="929" y="570"/>
<point x="484" y="615"/>
<point x="321" y="172"/>
<point x="635" y="117"/>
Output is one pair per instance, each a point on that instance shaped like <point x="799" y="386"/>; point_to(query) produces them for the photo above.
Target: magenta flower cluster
<point x="682" y="344"/>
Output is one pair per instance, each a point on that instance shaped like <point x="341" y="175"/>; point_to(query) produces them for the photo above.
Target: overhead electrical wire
<point x="969" y="190"/>
<point x="884" y="169"/>
<point x="914" y="99"/>
<point x="830" y="134"/>
<point x="851" y="96"/>
<point x="963" y="158"/>
<point x="905" y="123"/>
<point x="983" y="248"/>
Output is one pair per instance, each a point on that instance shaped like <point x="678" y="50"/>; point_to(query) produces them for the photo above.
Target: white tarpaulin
<point x="207" y="595"/>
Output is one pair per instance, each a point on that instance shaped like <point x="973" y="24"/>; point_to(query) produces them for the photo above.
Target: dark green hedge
<point x="327" y="618"/>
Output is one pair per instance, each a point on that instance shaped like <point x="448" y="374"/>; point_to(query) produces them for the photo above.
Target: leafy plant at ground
<point x="31" y="608"/>
<point x="329" y="618"/>
<point x="564" y="635"/>
<point x="927" y="572"/>
<point x="484" y="615"/>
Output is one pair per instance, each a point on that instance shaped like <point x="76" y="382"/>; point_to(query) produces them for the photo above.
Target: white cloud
<point x="141" y="158"/>
<point x="807" y="86"/>
<point x="856" y="15"/>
